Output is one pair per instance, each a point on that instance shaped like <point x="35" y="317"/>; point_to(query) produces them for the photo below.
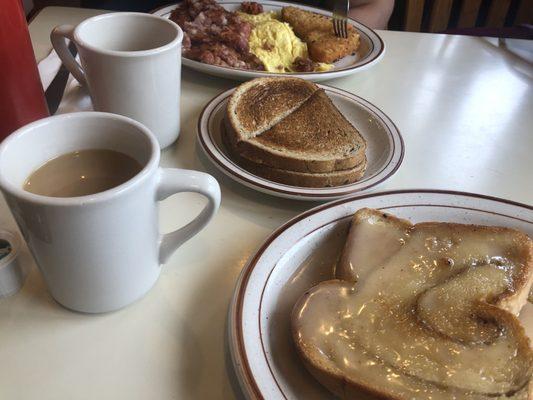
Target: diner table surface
<point x="464" y="106"/>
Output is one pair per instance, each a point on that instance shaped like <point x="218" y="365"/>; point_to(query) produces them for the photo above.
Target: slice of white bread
<point x="421" y="311"/>
<point x="312" y="137"/>
<point x="295" y="178"/>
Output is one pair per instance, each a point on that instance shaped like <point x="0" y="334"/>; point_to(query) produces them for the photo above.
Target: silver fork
<point x="340" y="18"/>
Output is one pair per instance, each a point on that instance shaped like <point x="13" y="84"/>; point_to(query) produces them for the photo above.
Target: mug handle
<point x="172" y="181"/>
<point x="58" y="38"/>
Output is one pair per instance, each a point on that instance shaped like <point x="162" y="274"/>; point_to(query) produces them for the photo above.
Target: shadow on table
<point x="514" y="54"/>
<point x="205" y="347"/>
<point x="255" y="201"/>
<point x="237" y="391"/>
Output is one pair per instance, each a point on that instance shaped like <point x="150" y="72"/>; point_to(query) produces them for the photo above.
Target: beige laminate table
<point x="465" y="109"/>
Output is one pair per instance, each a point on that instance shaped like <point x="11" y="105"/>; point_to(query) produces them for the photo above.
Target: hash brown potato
<point x="317" y="31"/>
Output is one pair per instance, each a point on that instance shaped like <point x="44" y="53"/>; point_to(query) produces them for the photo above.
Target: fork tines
<point x="340" y="27"/>
<point x="340" y="18"/>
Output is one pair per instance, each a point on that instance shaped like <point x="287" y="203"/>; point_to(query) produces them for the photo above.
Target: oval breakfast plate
<point x="302" y="253"/>
<point x="385" y="148"/>
<point x="370" y="50"/>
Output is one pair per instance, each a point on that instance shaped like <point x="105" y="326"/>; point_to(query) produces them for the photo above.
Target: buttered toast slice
<point x="317" y="31"/>
<point x="421" y="311"/>
<point x="313" y="138"/>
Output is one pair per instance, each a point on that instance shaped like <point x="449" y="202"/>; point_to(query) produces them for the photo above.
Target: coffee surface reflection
<point x="82" y="173"/>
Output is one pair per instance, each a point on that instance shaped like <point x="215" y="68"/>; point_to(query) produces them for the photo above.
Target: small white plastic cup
<point x="12" y="276"/>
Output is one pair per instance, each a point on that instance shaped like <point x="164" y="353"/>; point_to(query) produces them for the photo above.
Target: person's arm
<point x="372" y="13"/>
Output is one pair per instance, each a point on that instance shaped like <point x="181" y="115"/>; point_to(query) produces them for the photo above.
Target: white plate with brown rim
<point x="385" y="148"/>
<point x="370" y="50"/>
<point x="302" y="253"/>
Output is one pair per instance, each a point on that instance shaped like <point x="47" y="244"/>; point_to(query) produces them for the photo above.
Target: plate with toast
<point x="245" y="40"/>
<point x="292" y="138"/>
<point x="411" y="294"/>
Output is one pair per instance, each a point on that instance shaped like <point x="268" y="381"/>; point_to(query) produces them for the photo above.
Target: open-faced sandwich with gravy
<point x="289" y="131"/>
<point x="424" y="311"/>
<point x="292" y="40"/>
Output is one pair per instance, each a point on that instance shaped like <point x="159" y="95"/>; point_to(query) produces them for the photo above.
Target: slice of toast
<point x="257" y="105"/>
<point x="294" y="178"/>
<point x="314" y="137"/>
<point x="421" y="311"/>
<point x="317" y="31"/>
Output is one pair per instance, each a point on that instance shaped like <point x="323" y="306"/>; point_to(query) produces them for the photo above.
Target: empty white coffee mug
<point x="103" y="251"/>
<point x="131" y="64"/>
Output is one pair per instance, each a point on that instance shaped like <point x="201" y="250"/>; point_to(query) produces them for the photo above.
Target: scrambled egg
<point x="275" y="43"/>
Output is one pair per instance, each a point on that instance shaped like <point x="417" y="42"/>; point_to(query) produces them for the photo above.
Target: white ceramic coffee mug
<point x="131" y="64"/>
<point x="103" y="251"/>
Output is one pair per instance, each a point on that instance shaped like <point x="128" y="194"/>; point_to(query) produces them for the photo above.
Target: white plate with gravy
<point x="302" y="253"/>
<point x="370" y="51"/>
<point x="385" y="148"/>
